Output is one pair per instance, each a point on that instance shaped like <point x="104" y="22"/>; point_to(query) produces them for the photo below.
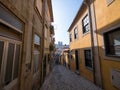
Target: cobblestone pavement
<point x="63" y="79"/>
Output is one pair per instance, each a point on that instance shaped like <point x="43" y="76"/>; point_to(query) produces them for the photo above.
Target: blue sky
<point x="64" y="11"/>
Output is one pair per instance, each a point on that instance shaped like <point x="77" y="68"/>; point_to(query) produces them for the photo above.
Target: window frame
<point x="36" y="36"/>
<point x="70" y="37"/>
<point x="85" y="25"/>
<point x="91" y="68"/>
<point x="7" y="41"/>
<point x="36" y="51"/>
<point x="75" y="33"/>
<point x="106" y="36"/>
<point x="8" y="38"/>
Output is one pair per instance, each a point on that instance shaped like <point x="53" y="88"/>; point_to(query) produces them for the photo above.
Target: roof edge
<point x="75" y="18"/>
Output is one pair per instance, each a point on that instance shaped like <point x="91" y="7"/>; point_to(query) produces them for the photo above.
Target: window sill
<point x="112" y="57"/>
<point x="88" y="32"/>
<point x="91" y="69"/>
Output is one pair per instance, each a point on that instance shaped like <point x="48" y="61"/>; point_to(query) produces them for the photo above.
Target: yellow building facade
<point x="64" y="58"/>
<point x="80" y="44"/>
<point x="108" y="34"/>
<point x="98" y="42"/>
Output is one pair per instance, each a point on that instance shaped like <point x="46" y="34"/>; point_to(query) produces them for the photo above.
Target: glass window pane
<point x="75" y="30"/>
<point x="36" y="59"/>
<point x="70" y="37"/>
<point x="1" y="52"/>
<point x="117" y="46"/>
<point x="85" y="23"/>
<point x="8" y="74"/>
<point x="88" y="60"/>
<point x="87" y="27"/>
<point x="116" y="41"/>
<point x="16" y="62"/>
<point x="87" y="20"/>
<point x="36" y="39"/>
<point x="112" y="42"/>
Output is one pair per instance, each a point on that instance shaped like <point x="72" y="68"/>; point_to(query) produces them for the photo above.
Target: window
<point x="112" y="42"/>
<point x="109" y="1"/>
<point x="36" y="39"/>
<point x="10" y="18"/>
<point x="36" y="52"/>
<point x="10" y="56"/>
<point x="70" y="37"/>
<point x="88" y="59"/>
<point x="16" y="62"/>
<point x="12" y="64"/>
<point x="85" y="24"/>
<point x="11" y="29"/>
<point x="36" y="60"/>
<point x="75" y="33"/>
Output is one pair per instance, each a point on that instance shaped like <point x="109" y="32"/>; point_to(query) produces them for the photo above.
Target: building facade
<point x="64" y="58"/>
<point x="80" y="44"/>
<point x="22" y="24"/>
<point x="98" y="32"/>
<point x="59" y="45"/>
<point x="48" y="37"/>
<point x="107" y="26"/>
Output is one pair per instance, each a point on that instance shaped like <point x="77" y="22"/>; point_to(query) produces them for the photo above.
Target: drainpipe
<point x="94" y="42"/>
<point x="97" y="62"/>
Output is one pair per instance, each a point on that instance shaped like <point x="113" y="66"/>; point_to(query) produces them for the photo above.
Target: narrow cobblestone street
<point x="62" y="78"/>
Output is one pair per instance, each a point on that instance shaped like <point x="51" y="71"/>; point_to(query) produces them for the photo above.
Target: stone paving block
<point x="63" y="79"/>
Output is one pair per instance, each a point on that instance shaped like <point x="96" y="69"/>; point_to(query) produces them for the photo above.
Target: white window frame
<point x="85" y="24"/>
<point x="75" y="33"/>
<point x="70" y="37"/>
